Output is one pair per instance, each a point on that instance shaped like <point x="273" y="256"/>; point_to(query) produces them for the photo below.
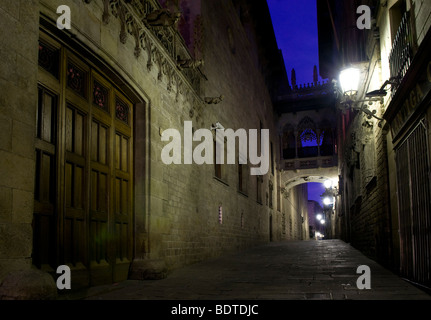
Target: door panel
<point x="123" y="185"/>
<point x="100" y="207"/>
<point x="45" y="218"/>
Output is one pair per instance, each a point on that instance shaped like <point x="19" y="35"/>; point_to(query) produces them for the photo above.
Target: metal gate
<point x="414" y="206"/>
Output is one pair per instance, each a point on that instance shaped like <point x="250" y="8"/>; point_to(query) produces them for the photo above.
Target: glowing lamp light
<point x="335" y="182"/>
<point x="327" y="184"/>
<point x="349" y="80"/>
<point x="322" y="221"/>
<point x="327" y="201"/>
<point x="319" y="217"/>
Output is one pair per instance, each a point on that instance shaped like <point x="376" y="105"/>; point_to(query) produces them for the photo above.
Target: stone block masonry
<point x="181" y="214"/>
<point x="18" y="94"/>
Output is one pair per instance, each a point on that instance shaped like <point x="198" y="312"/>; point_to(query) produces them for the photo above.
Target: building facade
<point x="384" y="192"/>
<point x="307" y="126"/>
<point x="83" y="113"/>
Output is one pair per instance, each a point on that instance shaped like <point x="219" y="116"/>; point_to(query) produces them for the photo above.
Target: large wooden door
<point x="84" y="152"/>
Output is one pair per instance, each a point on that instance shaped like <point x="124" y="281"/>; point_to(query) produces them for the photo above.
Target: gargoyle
<point x="189" y="63"/>
<point x="162" y="18"/>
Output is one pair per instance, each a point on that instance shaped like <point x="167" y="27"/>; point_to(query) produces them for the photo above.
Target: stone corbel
<point x="134" y="30"/>
<point x="161" y="63"/>
<point x="285" y="193"/>
<point x="179" y="87"/>
<point x="170" y="74"/>
<point x="148" y="46"/>
<point x="191" y="113"/>
<point x="119" y="11"/>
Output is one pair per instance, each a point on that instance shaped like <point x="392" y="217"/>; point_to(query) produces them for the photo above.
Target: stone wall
<point x="369" y="215"/>
<point x="176" y="207"/>
<point x="19" y="22"/>
<point x="422" y="11"/>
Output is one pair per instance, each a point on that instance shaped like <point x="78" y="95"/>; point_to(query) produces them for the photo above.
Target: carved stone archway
<point x="292" y="178"/>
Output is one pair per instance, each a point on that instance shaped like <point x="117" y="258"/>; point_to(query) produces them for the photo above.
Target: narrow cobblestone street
<point x="288" y="270"/>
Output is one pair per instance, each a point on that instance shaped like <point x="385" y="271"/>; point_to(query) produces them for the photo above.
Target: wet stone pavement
<point x="288" y="270"/>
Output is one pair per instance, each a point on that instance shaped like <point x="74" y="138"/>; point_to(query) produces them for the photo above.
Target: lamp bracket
<point x="360" y="106"/>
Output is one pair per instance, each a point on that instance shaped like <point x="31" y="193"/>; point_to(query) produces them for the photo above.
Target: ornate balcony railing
<point x="309" y="163"/>
<point x="147" y="22"/>
<point x="401" y="53"/>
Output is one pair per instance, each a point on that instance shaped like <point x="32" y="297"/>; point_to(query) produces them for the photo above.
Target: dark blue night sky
<point x="295" y="26"/>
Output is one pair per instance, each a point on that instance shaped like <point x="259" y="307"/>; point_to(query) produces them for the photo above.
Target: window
<point x="278" y="198"/>
<point x="271" y="193"/>
<point x="308" y="139"/>
<point x="289" y="144"/>
<point x="396" y="13"/>
<point x="403" y="41"/>
<point x="272" y="159"/>
<point x="219" y="162"/>
<point x="217" y="166"/>
<point x="326" y="142"/>
<point x="259" y="181"/>
<point x="242" y="178"/>
<point x="308" y="143"/>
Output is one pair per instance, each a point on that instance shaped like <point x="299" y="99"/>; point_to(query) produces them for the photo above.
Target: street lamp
<point x="327" y="184"/>
<point x="319" y="217"/>
<point x="327" y="201"/>
<point x="349" y="81"/>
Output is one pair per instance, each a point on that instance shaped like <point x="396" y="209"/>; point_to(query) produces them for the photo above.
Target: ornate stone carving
<point x="179" y="86"/>
<point x="367" y="132"/>
<point x="214" y="100"/>
<point x="162" y="18"/>
<point x="285" y="192"/>
<point x="153" y="29"/>
<point x="170" y="72"/>
<point x="160" y="61"/>
<point x="189" y="63"/>
<point x="106" y="15"/>
<point x="148" y="46"/>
